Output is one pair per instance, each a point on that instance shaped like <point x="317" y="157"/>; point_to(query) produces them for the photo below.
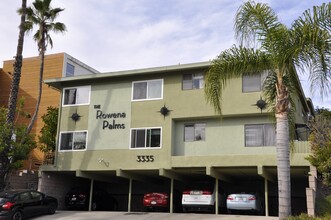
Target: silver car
<point x="244" y="202"/>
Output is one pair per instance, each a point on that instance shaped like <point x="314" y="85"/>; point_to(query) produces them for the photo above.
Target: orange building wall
<point x="29" y="89"/>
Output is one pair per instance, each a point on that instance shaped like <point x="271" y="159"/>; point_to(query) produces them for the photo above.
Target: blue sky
<point x="111" y="35"/>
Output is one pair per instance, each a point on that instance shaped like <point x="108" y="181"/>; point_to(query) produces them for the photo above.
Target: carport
<point x="129" y="185"/>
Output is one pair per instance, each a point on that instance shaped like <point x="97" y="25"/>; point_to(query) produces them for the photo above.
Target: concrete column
<point x="91" y="195"/>
<point x="216" y="196"/>
<point x="130" y="195"/>
<point x="266" y="203"/>
<point x="310" y="194"/>
<point x="311" y="191"/>
<point x="171" y="195"/>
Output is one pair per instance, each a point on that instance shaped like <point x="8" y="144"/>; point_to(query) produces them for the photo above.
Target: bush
<point x="307" y="217"/>
<point x="302" y="217"/>
<point x="323" y="206"/>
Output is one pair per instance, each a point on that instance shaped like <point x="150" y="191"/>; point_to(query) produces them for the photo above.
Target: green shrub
<point x="323" y="206"/>
<point x="302" y="217"/>
<point x="307" y="217"/>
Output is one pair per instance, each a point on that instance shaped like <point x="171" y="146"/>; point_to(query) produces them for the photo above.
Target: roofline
<point x="57" y="82"/>
<point x="73" y="59"/>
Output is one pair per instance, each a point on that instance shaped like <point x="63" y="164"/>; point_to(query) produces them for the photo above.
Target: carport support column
<point x="171" y="195"/>
<point x="266" y="197"/>
<point x="91" y="195"/>
<point x="130" y="195"/>
<point x="216" y="196"/>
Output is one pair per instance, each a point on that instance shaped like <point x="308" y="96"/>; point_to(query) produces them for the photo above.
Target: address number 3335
<point x="145" y="158"/>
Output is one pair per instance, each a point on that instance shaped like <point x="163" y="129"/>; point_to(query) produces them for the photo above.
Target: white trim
<point x="68" y="132"/>
<point x="145" y="148"/>
<point x="75" y="87"/>
<point x="147" y="99"/>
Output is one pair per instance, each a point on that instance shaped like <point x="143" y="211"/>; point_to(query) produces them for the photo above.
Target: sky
<point x="114" y="35"/>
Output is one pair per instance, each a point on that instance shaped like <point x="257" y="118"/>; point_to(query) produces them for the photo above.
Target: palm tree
<point x="43" y="16"/>
<point x="12" y="101"/>
<point x="278" y="50"/>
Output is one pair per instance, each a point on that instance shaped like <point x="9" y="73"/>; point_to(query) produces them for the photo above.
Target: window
<point x="260" y="135"/>
<point x="70" y="70"/>
<point x="73" y="140"/>
<point x="25" y="196"/>
<point x="147" y="90"/>
<point x="193" y="81"/>
<point x="146" y="138"/>
<point x="194" y="132"/>
<point x="77" y="95"/>
<point x="253" y="83"/>
<point x="36" y="195"/>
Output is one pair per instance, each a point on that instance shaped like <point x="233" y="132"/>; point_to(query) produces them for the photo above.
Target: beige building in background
<point x="56" y="65"/>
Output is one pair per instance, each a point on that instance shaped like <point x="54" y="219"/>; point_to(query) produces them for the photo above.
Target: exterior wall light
<point x="101" y="160"/>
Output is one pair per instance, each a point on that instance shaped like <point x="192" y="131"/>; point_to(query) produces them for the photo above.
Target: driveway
<point x="80" y="215"/>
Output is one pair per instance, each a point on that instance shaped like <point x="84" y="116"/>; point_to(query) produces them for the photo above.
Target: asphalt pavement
<point x="98" y="215"/>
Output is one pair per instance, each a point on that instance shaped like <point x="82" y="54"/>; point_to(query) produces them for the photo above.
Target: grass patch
<point x="323" y="210"/>
<point x="307" y="217"/>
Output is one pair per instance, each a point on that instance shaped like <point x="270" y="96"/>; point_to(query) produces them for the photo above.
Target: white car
<point x="244" y="202"/>
<point x="201" y="199"/>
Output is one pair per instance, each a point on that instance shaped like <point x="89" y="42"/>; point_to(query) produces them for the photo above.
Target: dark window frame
<point x="70" y="70"/>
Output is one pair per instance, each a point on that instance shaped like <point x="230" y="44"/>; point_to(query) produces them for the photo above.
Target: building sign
<point x="110" y="120"/>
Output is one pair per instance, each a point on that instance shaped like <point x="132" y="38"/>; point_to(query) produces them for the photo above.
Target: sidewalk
<point x="80" y="215"/>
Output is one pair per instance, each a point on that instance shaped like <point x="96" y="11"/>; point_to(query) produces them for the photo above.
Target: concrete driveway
<point x="81" y="215"/>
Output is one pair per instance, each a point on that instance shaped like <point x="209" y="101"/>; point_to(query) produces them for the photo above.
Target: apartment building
<point x="137" y="131"/>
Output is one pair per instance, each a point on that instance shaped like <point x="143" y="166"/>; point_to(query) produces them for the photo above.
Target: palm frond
<point x="58" y="27"/>
<point x="42" y="15"/>
<point x="232" y="63"/>
<point x="254" y="21"/>
<point x="312" y="43"/>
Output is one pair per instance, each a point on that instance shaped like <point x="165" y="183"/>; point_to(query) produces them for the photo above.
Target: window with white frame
<point x="253" y="83"/>
<point x="76" y="95"/>
<point x="70" y="70"/>
<point x="193" y="81"/>
<point x="260" y="135"/>
<point x="147" y="90"/>
<point x="73" y="140"/>
<point x="194" y="132"/>
<point x="145" y="138"/>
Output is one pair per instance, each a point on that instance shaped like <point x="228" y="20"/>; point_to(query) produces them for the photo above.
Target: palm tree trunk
<point x="4" y="157"/>
<point x="283" y="166"/>
<point x="17" y="71"/>
<point x="41" y="73"/>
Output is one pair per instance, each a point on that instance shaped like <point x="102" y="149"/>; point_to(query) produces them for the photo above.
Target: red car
<point x="156" y="201"/>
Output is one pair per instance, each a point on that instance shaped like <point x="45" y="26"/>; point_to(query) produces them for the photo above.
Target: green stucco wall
<point x="224" y="137"/>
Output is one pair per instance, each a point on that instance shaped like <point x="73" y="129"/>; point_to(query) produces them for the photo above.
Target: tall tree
<point x="279" y="50"/>
<point x="320" y="140"/>
<point x="42" y="15"/>
<point x="10" y="115"/>
<point x="47" y="137"/>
